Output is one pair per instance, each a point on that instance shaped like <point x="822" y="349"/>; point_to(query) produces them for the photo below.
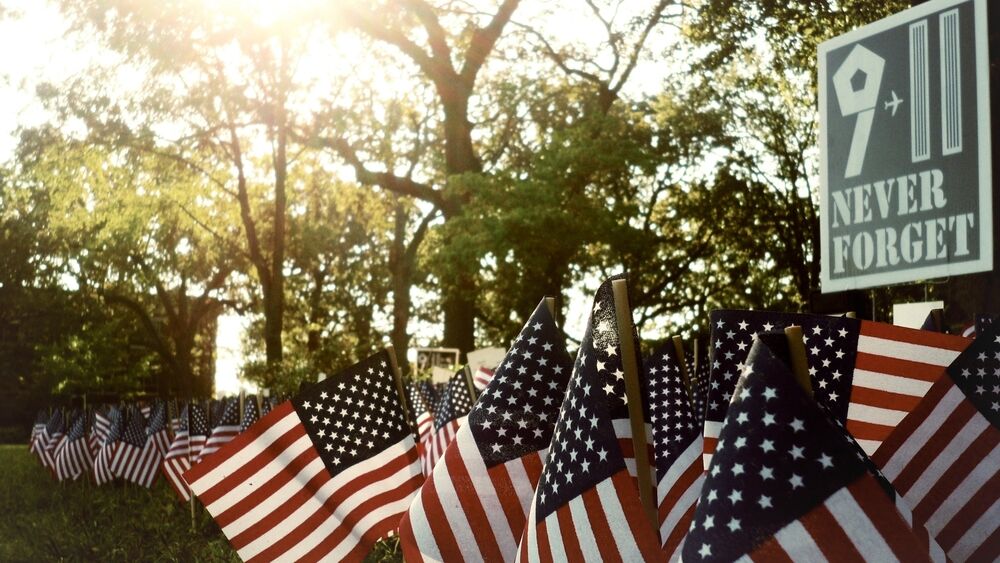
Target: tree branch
<point x="483" y="41"/>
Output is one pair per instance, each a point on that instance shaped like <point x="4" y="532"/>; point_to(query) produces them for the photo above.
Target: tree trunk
<point x="402" y="272"/>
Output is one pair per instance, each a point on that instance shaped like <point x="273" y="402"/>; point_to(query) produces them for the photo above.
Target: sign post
<point x="905" y="148"/>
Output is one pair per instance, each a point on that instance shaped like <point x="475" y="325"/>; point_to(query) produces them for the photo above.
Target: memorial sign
<point x="906" y="188"/>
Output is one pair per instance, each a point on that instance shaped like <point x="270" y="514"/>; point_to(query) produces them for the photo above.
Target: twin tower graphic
<point x="858" y="81"/>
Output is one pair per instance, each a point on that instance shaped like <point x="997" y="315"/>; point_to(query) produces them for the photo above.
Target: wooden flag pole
<point x="397" y="374"/>
<point x="697" y="360"/>
<point x="190" y="492"/>
<point x="243" y="402"/>
<point x="797" y="353"/>
<point x="633" y="393"/>
<point x="471" y="384"/>
<point x="550" y="302"/>
<point x="685" y="376"/>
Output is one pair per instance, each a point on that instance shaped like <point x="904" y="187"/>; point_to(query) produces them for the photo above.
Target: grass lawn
<point x="43" y="520"/>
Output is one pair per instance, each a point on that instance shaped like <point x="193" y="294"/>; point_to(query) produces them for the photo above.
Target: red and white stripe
<point x="220" y="435"/>
<point x="944" y="460"/>
<point x="677" y="495"/>
<point x="605" y="523"/>
<point x="138" y="465"/>
<point x="623" y="431"/>
<point x="274" y="499"/>
<point x="468" y="511"/>
<point x="98" y="432"/>
<point x="74" y="459"/>
<point x="482" y="378"/>
<point x="894" y="369"/>
<point x="102" y="463"/>
<point x="438" y="442"/>
<point x="856" y="523"/>
<point x="176" y="462"/>
<point x="425" y="429"/>
<point x="48" y="453"/>
<point x="36" y="433"/>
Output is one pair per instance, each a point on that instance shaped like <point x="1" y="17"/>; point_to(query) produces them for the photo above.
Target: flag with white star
<point x="36" y="431"/>
<point x="944" y="457"/>
<point x="73" y="456"/>
<point x="138" y="456"/>
<point x="178" y="457"/>
<point x="484" y="484"/>
<point x="868" y="375"/>
<point x="251" y="413"/>
<point x="677" y="446"/>
<point x="787" y="483"/>
<point x="983" y="321"/>
<point x="225" y="425"/>
<point x="52" y="435"/>
<point x="450" y="412"/>
<point x="197" y="429"/>
<point x="587" y="502"/>
<point x="321" y="477"/>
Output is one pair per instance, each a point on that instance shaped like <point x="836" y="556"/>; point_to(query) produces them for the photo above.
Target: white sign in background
<point x="906" y="189"/>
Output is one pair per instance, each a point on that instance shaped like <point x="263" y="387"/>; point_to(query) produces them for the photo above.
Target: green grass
<point x="43" y="520"/>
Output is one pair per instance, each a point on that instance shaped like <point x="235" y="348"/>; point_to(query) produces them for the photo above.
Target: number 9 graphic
<point x="861" y="102"/>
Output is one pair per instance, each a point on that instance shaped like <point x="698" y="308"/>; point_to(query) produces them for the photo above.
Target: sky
<point x="37" y="51"/>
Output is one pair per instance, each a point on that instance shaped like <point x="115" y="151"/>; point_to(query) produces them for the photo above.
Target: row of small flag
<point x="855" y="440"/>
<point x="134" y="443"/>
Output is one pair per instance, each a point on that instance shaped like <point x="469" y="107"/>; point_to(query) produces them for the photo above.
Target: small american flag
<point x="419" y="395"/>
<point x="678" y="447"/>
<point x="787" y="483"/>
<point x="50" y="438"/>
<point x="475" y="505"/>
<point x="105" y="456"/>
<point x="944" y="457"/>
<point x="137" y="458"/>
<point x="450" y="413"/>
<point x="178" y="458"/>
<point x="225" y="426"/>
<point x="321" y="477"/>
<point x="869" y="375"/>
<point x="197" y="429"/>
<point x="36" y="430"/>
<point x="587" y="502"/>
<point x="74" y="456"/>
<point x="481" y="378"/>
<point x="99" y="428"/>
<point x="251" y="413"/>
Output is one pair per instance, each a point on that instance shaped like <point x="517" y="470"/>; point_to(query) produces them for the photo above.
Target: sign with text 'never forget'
<point x="905" y="148"/>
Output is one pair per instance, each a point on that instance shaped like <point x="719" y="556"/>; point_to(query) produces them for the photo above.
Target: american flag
<point x="787" y="483"/>
<point x="266" y="405"/>
<point x="867" y="374"/>
<point x="157" y="428"/>
<point x="481" y="378"/>
<point x="983" y="321"/>
<point x="178" y="458"/>
<point x="678" y="447"/>
<point x="197" y="429"/>
<point x="137" y="458"/>
<point x="51" y="436"/>
<point x="419" y="395"/>
<point x="944" y="457"/>
<point x="586" y="501"/>
<point x="36" y="430"/>
<point x="225" y="426"/>
<point x="699" y="385"/>
<point x="74" y="457"/>
<point x="251" y="413"/>
<point x="322" y="476"/>
<point x="450" y="413"/>
<point x="99" y="427"/>
<point x="105" y="456"/>
<point x="475" y="505"/>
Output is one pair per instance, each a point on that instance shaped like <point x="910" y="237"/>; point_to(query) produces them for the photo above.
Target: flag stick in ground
<point x="623" y="314"/>
<point x="468" y="381"/>
<point x="193" y="527"/>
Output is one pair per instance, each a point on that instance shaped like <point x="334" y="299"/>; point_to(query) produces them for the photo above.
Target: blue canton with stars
<point x="251" y="413"/>
<point x="831" y="348"/>
<point x="976" y="372"/>
<point x="455" y="401"/>
<point x="674" y="422"/>
<point x="778" y="457"/>
<point x="585" y="449"/>
<point x="516" y="414"/>
<point x="354" y="414"/>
